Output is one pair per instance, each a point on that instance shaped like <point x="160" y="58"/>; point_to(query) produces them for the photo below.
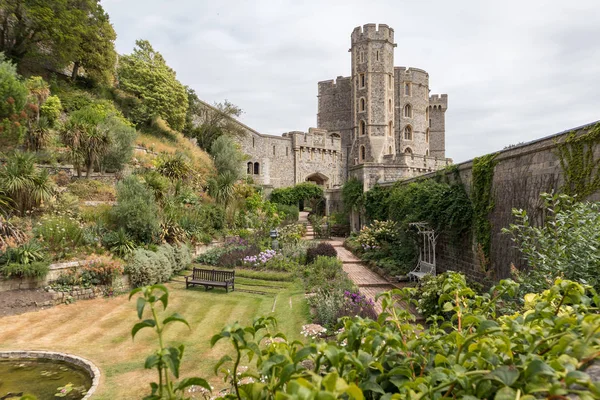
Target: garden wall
<point x="521" y="174"/>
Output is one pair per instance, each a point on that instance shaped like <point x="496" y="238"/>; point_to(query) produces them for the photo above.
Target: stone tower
<point x="372" y="52"/>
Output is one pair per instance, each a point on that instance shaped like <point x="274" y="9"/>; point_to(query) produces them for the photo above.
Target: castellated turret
<point x="373" y="101"/>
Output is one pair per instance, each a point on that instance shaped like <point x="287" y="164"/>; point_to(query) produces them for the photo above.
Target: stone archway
<point x="319" y="179"/>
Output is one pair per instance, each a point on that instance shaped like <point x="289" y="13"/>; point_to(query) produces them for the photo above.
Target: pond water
<point x="42" y="378"/>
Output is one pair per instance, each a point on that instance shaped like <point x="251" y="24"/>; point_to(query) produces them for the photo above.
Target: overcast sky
<point x="514" y="71"/>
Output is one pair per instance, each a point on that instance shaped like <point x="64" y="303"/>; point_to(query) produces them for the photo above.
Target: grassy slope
<point x="100" y="331"/>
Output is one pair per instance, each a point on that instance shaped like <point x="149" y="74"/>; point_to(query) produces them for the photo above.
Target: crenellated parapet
<point x="439" y="101"/>
<point x="373" y="32"/>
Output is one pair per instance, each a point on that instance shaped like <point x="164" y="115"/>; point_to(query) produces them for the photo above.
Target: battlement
<point x="316" y="138"/>
<point x="373" y="32"/>
<point x="341" y="82"/>
<point x="439" y="100"/>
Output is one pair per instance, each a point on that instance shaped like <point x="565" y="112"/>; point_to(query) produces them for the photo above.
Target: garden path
<point x="369" y="283"/>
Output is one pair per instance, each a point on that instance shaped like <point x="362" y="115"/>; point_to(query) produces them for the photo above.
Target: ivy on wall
<point x="353" y="195"/>
<point x="581" y="169"/>
<point x="294" y="194"/>
<point x="483" y="200"/>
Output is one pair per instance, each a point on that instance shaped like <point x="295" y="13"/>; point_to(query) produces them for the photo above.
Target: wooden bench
<point x="209" y="278"/>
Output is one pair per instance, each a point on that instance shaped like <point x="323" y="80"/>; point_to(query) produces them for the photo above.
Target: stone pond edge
<point x="53" y="355"/>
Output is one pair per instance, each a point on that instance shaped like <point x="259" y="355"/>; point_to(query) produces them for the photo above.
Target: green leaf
<point x="151" y="361"/>
<point x="164" y="299"/>
<point x="172" y="361"/>
<point x="187" y="382"/>
<point x="504" y="374"/>
<point x="176" y="317"/>
<point x="538" y="367"/>
<point x="222" y="361"/>
<point x="134" y="291"/>
<point x="506" y="393"/>
<point x="141" y="303"/>
<point x="486" y="326"/>
<point x="147" y="323"/>
<point x="303" y="354"/>
<point x="354" y="392"/>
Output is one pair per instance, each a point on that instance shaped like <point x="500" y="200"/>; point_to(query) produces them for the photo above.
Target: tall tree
<point x="59" y="32"/>
<point x="95" y="51"/>
<point x="145" y="74"/>
<point x="207" y="123"/>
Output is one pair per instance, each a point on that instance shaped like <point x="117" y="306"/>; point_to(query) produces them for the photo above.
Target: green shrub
<point x="288" y="213"/>
<point x="136" y="211"/>
<point x="147" y="267"/>
<point x="26" y="253"/>
<point x="59" y="234"/>
<point x="122" y="137"/>
<point x="118" y="242"/>
<point x="326" y="273"/>
<point x="183" y="257"/>
<point x="38" y="269"/>
<point x="327" y="306"/>
<point x="295" y="194"/>
<point x="282" y="263"/>
<point x="291" y="234"/>
<point x="432" y="290"/>
<point x="323" y="249"/>
<point x="51" y="109"/>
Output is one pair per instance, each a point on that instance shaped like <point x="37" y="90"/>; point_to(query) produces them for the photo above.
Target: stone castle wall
<point x="521" y="174"/>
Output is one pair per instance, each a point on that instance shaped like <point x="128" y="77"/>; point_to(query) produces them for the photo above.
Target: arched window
<point x="363" y="104"/>
<point x="249" y="168"/>
<point x="408" y="133"/>
<point x="390" y="105"/>
<point x="390" y="150"/>
<point x="256" y="168"/>
<point x="390" y="128"/>
<point x="362" y="128"/>
<point x="408" y="150"/>
<point x="427" y="152"/>
<point x="408" y="111"/>
<point x="427" y="136"/>
<point x="363" y="153"/>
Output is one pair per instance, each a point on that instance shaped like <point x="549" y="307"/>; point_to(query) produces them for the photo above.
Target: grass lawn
<point x="100" y="330"/>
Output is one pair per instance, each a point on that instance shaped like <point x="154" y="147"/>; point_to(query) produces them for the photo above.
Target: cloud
<point x="514" y="71"/>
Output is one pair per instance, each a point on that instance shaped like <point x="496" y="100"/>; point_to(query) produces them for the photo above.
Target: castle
<point x="378" y="125"/>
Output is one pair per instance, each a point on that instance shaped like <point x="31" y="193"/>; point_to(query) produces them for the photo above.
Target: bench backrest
<point x="426" y="268"/>
<point x="212" y="275"/>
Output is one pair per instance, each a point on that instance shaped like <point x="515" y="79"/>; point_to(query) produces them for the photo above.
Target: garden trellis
<point x="426" y="263"/>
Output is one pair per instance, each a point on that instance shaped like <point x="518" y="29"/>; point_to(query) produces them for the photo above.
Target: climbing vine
<point x="353" y="195"/>
<point x="581" y="168"/>
<point x="483" y="200"/>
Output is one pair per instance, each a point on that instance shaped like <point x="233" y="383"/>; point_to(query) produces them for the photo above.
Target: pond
<point x="42" y="378"/>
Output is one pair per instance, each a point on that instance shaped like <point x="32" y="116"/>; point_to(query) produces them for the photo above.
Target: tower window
<point x="252" y="142"/>
<point x="390" y="105"/>
<point x="287" y="149"/>
<point x="362" y="80"/>
<point x="249" y="168"/>
<point x="408" y="150"/>
<point x="427" y="153"/>
<point x="408" y="111"/>
<point x="390" y="150"/>
<point x="427" y="136"/>
<point x="390" y="80"/>
<point x="408" y="134"/>
<point x="363" y="152"/>
<point x="407" y="89"/>
<point x="362" y="128"/>
<point x="363" y="104"/>
<point x="390" y="128"/>
<point x="273" y="150"/>
<point x="427" y="113"/>
<point x="377" y="55"/>
<point x="256" y="168"/>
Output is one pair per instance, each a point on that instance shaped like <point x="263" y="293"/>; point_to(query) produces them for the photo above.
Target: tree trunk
<point x="75" y="70"/>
